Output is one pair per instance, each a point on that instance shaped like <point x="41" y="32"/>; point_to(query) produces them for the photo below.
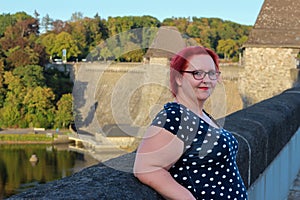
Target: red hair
<point x="179" y="62"/>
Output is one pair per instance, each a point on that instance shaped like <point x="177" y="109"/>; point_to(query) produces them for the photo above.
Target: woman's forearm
<point x="161" y="181"/>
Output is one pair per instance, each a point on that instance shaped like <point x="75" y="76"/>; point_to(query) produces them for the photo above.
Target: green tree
<point x="48" y="41"/>
<point x="31" y="75"/>
<point x="65" y="41"/>
<point x="11" y="113"/>
<point x="105" y="53"/>
<point x="227" y="48"/>
<point x="39" y="108"/>
<point x="64" y="114"/>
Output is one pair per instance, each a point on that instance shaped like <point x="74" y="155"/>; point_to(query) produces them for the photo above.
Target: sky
<point x="240" y="11"/>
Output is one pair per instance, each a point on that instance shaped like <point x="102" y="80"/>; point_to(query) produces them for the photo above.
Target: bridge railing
<point x="268" y="158"/>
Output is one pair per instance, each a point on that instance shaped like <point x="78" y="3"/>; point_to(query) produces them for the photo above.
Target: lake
<point x="19" y="172"/>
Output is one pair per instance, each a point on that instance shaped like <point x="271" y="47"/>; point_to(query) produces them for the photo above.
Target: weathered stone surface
<point x="262" y="131"/>
<point x="97" y="182"/>
<point x="264" y="128"/>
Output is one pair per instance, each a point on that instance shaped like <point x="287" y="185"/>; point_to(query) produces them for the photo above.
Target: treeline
<point x="34" y="96"/>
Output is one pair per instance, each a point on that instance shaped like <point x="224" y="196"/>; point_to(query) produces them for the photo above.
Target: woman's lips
<point x="204" y="88"/>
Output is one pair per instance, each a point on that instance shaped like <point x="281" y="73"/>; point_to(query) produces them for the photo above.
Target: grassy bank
<point x="26" y="138"/>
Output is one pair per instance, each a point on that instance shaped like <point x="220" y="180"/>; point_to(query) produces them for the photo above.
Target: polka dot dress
<point x="207" y="167"/>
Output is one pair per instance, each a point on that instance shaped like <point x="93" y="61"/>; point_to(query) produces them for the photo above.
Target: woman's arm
<point x="158" y="151"/>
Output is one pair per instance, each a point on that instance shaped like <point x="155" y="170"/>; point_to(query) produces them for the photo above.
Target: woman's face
<point x="194" y="89"/>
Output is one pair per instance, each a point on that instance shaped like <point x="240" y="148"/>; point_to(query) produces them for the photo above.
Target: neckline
<point x="215" y="124"/>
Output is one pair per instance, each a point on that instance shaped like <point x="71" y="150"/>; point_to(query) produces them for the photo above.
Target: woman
<point x="184" y="153"/>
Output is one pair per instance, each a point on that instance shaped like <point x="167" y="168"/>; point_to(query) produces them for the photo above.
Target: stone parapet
<point x="262" y="131"/>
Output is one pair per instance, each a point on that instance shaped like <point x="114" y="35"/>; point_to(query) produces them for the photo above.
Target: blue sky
<point x="240" y="11"/>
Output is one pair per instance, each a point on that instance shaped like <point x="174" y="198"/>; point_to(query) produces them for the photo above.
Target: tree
<point x="31" y="75"/>
<point x="11" y="113"/>
<point x="47" y="23"/>
<point x="19" y="44"/>
<point x="65" y="41"/>
<point x="48" y="41"/>
<point x="60" y="26"/>
<point x="39" y="108"/>
<point x="77" y="16"/>
<point x="105" y="53"/>
<point x="64" y="114"/>
<point x="227" y="48"/>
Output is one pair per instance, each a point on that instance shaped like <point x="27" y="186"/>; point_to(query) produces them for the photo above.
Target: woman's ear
<point x="178" y="80"/>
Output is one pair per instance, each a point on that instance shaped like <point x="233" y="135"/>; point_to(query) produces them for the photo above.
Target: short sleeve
<point x="169" y="118"/>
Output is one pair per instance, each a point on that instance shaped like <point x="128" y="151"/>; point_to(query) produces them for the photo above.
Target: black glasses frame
<point x="203" y="73"/>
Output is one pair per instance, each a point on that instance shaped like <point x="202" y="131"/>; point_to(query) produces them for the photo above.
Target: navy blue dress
<point x="208" y="166"/>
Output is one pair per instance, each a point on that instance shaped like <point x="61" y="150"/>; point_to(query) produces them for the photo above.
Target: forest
<point x="32" y="95"/>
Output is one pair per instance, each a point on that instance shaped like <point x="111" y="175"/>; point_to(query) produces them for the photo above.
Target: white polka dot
<point x="171" y="127"/>
<point x="195" y="171"/>
<point x="168" y="120"/>
<point x="176" y="118"/>
<point x="203" y="175"/>
<point x="159" y="122"/>
<point x="184" y="178"/>
<point x="197" y="181"/>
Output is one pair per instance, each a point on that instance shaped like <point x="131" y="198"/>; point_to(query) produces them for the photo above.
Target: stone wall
<point x="132" y="93"/>
<point x="267" y="72"/>
<point x="262" y="130"/>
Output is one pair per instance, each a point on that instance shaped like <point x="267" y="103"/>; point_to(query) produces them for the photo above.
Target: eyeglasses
<point x="199" y="74"/>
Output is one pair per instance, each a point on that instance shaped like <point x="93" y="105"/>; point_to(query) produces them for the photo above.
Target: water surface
<point x="18" y="173"/>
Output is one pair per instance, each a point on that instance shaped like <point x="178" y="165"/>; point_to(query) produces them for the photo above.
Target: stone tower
<point x="270" y="53"/>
